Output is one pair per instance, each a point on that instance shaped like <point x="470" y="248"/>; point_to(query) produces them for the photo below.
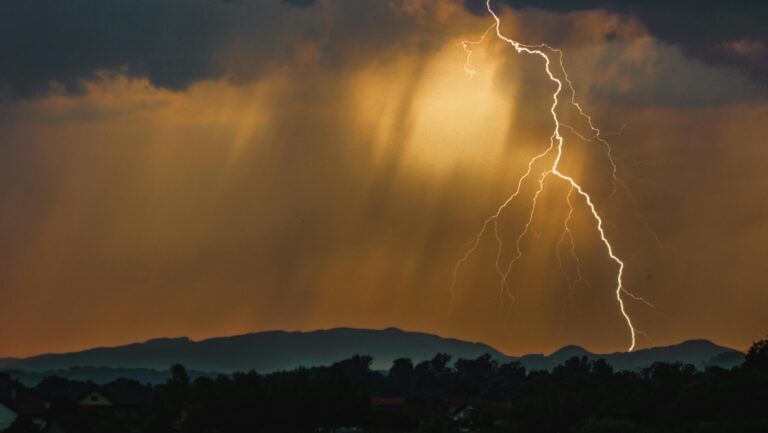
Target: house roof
<point x="94" y="397"/>
<point x="122" y="392"/>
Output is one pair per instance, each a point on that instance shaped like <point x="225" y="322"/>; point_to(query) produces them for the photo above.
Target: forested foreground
<point x="481" y="395"/>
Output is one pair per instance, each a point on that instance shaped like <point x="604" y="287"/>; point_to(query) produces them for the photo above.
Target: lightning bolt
<point x="569" y="234"/>
<point x="555" y="152"/>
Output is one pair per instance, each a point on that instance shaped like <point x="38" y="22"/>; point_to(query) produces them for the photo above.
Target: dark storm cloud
<point x="66" y="43"/>
<point x="52" y="45"/>
<point x="298" y="3"/>
<point x="732" y="33"/>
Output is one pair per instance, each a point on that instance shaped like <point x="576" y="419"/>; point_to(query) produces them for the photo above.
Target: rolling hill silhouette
<point x="279" y="350"/>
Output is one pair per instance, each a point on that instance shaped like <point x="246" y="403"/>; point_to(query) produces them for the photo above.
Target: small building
<point x="121" y="399"/>
<point x="94" y="399"/>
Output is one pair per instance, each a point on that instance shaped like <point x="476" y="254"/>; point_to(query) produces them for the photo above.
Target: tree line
<point x="437" y="395"/>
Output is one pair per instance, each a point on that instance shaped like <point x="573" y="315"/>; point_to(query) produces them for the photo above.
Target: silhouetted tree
<point x="601" y="367"/>
<point x="439" y="364"/>
<point x="476" y="371"/>
<point x="580" y="396"/>
<point x="575" y="366"/>
<point x="401" y="370"/>
<point x="757" y="356"/>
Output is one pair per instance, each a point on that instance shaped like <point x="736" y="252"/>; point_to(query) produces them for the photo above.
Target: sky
<point x="206" y="167"/>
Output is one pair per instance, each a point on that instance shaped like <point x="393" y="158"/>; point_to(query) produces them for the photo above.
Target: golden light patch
<point x="459" y="119"/>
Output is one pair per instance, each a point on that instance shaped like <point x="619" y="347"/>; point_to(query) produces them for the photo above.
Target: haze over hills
<point x="280" y="350"/>
<point x="263" y="351"/>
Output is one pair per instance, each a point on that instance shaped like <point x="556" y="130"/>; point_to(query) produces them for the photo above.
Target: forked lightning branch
<point x="555" y="69"/>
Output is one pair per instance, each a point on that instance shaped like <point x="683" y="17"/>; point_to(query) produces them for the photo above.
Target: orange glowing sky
<point x="312" y="166"/>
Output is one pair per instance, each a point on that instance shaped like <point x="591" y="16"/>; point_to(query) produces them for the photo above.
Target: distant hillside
<point x="279" y="350"/>
<point x="263" y="351"/>
<point x="102" y="375"/>
<point x="6" y="362"/>
<point x="700" y="353"/>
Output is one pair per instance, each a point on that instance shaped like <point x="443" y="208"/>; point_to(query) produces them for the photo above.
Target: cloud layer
<point x="54" y="46"/>
<point x="207" y="167"/>
<point x="730" y="33"/>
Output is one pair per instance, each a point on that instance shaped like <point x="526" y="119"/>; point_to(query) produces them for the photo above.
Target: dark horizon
<point x="434" y="395"/>
<point x="197" y="340"/>
<point x="267" y="352"/>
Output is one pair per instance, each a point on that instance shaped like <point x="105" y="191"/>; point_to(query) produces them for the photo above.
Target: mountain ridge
<point x="269" y="351"/>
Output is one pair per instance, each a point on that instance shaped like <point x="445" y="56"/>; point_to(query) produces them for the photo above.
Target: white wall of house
<point x="94" y="399"/>
<point x="7" y="417"/>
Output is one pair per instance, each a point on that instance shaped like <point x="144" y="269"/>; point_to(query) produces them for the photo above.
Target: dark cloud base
<point x="704" y="29"/>
<point x="50" y="43"/>
<point x="60" y="45"/>
<point x="298" y="3"/>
